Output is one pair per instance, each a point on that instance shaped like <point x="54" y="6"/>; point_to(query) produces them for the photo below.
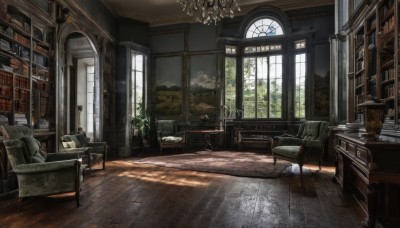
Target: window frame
<point x="288" y="52"/>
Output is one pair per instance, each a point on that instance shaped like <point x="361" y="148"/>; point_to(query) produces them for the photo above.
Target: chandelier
<point x="207" y="11"/>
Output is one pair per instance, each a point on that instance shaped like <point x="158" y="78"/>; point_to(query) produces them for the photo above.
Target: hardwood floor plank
<point x="129" y="194"/>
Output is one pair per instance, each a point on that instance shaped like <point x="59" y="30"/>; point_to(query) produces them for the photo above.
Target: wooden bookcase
<point x="26" y="77"/>
<point x="376" y="58"/>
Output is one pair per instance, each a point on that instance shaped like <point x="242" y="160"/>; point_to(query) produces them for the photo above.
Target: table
<point x="208" y="141"/>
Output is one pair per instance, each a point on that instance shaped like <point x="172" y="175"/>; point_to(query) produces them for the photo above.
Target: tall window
<point x="300" y="75"/>
<point x="137" y="82"/>
<point x="230" y="87"/>
<point x="264" y="73"/>
<point x="90" y="99"/>
<point x="262" y="87"/>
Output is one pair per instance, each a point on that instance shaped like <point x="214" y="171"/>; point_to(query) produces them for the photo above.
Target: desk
<point x="370" y="171"/>
<point x="208" y="141"/>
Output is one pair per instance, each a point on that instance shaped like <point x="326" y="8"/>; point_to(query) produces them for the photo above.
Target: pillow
<point x="34" y="154"/>
<point x="65" y="144"/>
<point x="72" y="144"/>
<point x="72" y="141"/>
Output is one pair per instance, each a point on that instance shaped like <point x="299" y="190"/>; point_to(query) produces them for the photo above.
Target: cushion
<point x="166" y="127"/>
<point x="65" y="144"/>
<point x="16" y="131"/>
<point x="71" y="138"/>
<point x="287" y="151"/>
<point x="172" y="139"/>
<point x="33" y="154"/>
<point x="82" y="139"/>
<point x="311" y="130"/>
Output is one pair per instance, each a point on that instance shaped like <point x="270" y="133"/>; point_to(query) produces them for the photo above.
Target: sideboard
<point x="370" y="171"/>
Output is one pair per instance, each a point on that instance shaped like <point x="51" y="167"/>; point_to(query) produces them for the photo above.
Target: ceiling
<point x="164" y="12"/>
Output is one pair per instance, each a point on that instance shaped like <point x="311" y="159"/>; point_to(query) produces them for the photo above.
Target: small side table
<point x="208" y="142"/>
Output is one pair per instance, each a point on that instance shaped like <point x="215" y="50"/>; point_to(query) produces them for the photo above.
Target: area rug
<point x="244" y="164"/>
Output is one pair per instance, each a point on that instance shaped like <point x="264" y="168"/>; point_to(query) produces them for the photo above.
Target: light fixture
<point x="207" y="11"/>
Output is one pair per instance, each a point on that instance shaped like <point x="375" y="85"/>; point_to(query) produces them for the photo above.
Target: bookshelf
<point x="26" y="82"/>
<point x="377" y="59"/>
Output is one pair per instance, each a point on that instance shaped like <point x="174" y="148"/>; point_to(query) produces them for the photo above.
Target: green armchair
<point x="168" y="135"/>
<point x="307" y="146"/>
<point x="97" y="150"/>
<point x="38" y="173"/>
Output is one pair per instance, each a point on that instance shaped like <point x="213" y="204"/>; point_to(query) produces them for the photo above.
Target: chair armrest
<point x="33" y="168"/>
<point x="66" y="156"/>
<point x="289" y="141"/>
<point x="96" y="144"/>
<point x="98" y="147"/>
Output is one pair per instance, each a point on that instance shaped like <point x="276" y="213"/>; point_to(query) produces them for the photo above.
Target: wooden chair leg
<point x="274" y="160"/>
<point x="319" y="164"/>
<point x="301" y="169"/>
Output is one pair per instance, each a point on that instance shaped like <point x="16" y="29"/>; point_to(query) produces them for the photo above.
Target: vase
<point x="374" y="116"/>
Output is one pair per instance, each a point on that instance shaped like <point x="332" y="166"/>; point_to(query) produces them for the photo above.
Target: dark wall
<point x="133" y="31"/>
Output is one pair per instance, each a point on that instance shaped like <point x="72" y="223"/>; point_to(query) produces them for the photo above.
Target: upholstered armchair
<point x="307" y="146"/>
<point x="97" y="150"/>
<point x="168" y="135"/>
<point x="39" y="173"/>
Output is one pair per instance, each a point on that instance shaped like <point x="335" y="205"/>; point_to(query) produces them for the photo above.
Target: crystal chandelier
<point x="206" y="11"/>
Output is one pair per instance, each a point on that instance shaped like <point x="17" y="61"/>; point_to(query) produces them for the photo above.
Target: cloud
<point x="168" y="84"/>
<point x="203" y="80"/>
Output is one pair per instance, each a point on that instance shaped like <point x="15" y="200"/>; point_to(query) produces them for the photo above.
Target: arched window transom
<point x="264" y="27"/>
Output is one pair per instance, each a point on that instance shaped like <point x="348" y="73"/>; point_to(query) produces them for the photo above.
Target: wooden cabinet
<point x="26" y="77"/>
<point x="370" y="171"/>
<point x="376" y="57"/>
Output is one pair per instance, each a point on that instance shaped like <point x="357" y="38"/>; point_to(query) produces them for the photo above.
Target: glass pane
<point x="264" y="27"/>
<point x="230" y="87"/>
<point x="90" y="69"/>
<point x="275" y="99"/>
<point x="248" y="109"/>
<point x="139" y="63"/>
<point x="300" y="66"/>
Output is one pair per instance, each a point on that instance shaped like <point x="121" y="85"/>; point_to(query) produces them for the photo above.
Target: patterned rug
<point x="244" y="164"/>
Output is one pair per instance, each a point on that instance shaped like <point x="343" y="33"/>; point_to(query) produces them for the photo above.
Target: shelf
<point x="389" y="81"/>
<point x="19" y="30"/>
<point x="387" y="15"/>
<point x="359" y="86"/>
<point x="359" y="72"/>
<point x="387" y="64"/>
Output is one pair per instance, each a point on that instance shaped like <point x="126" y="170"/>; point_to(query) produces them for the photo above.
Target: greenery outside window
<point x="300" y="77"/>
<point x="137" y="83"/>
<point x="230" y="87"/>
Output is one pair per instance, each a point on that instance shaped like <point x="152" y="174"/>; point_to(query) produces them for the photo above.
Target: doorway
<point x="82" y="86"/>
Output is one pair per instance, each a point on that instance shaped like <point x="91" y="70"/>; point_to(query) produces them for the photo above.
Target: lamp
<point x="206" y="11"/>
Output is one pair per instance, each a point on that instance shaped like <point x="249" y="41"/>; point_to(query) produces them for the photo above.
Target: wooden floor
<point x="129" y="194"/>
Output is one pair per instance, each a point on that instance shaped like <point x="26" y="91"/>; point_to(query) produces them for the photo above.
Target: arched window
<point x="270" y="81"/>
<point x="264" y="27"/>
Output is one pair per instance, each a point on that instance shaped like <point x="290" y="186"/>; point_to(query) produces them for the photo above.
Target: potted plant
<point x="141" y="123"/>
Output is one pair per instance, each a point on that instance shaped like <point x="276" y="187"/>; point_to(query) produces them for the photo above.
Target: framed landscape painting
<point x="203" y="86"/>
<point x="169" y="98"/>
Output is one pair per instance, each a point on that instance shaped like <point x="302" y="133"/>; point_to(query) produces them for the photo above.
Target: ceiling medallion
<point x="208" y="11"/>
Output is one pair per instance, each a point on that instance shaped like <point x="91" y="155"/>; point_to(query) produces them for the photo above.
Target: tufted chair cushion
<point x="32" y="151"/>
